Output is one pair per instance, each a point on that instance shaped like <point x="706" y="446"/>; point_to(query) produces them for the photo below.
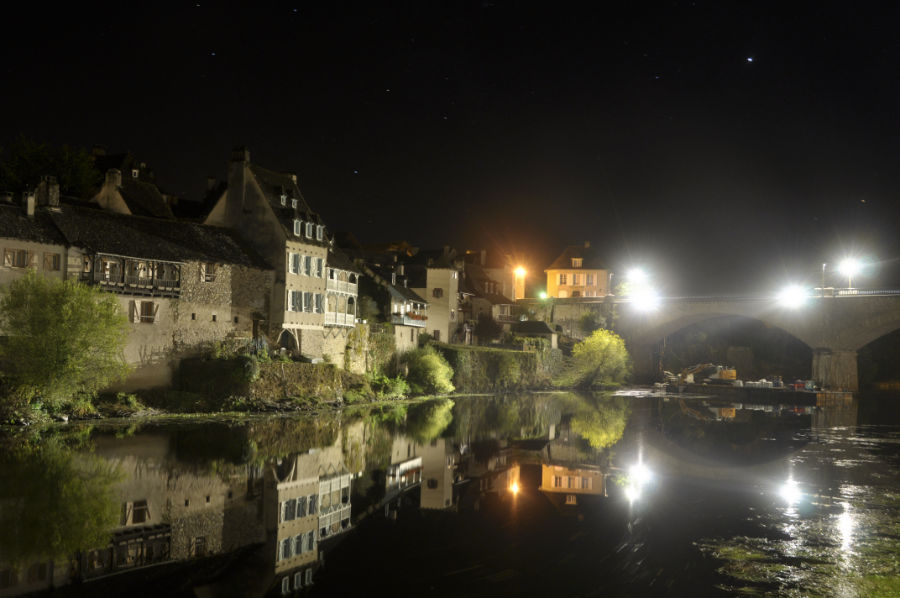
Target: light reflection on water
<point x="620" y="495"/>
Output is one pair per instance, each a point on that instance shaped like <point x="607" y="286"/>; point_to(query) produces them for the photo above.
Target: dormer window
<point x="298" y="228"/>
<point x="309" y="230"/>
<point x="283" y="199"/>
<point x="576" y="262"/>
<point x="135" y="173"/>
<point x="294" y="203"/>
<point x="320" y="231"/>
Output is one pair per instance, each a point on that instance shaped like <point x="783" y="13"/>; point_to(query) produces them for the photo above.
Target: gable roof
<point x="591" y="259"/>
<point x="531" y="327"/>
<point x="144" y="199"/>
<point x="274" y="185"/>
<point x="97" y="230"/>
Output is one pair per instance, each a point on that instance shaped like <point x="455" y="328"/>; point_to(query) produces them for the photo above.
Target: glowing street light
<point x="542" y="295"/>
<point x="792" y="296"/>
<point x="638" y="276"/>
<point x="849" y="267"/>
<point x="519" y="283"/>
<point x="514" y="487"/>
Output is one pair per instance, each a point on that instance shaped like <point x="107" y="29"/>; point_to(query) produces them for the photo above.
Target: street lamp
<point x="519" y="283"/>
<point x="849" y="267"/>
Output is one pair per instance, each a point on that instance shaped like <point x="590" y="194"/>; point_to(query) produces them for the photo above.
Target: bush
<point x="428" y="372"/>
<point x="390" y="388"/>
<point x="599" y="359"/>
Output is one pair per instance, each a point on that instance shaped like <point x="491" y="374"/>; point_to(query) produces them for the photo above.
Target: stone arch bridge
<point x="834" y="327"/>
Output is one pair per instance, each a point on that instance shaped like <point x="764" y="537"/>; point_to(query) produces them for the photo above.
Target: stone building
<point x="28" y="237"/>
<point x="268" y="211"/>
<point x="578" y="272"/>
<point x="434" y="275"/>
<point x="181" y="284"/>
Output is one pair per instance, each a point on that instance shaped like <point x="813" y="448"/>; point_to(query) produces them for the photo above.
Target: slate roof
<point x="97" y="230"/>
<point x="144" y="199"/>
<point x="337" y="259"/>
<point x="476" y="278"/>
<point x="589" y="255"/>
<point x="16" y="224"/>
<point x="531" y="327"/>
<point x="273" y="185"/>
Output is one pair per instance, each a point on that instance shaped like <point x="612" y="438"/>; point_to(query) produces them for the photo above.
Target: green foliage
<point x="24" y="163"/>
<point x="490" y="369"/>
<point x="599" y="359"/>
<point x="64" y="338"/>
<point x="425" y="339"/>
<point x="603" y="425"/>
<point x="427" y="421"/>
<point x="428" y="372"/>
<point x="390" y="388"/>
<point x="57" y="502"/>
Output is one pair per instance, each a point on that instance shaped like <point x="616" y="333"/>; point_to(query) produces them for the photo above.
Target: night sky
<point x="726" y="147"/>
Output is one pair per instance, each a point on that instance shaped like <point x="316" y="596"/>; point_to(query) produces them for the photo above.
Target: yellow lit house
<point x="577" y="272"/>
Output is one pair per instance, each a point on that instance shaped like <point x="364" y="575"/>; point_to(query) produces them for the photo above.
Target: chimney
<point x="393" y="279"/>
<point x="114" y="177"/>
<point x="48" y="192"/>
<point x="293" y="177"/>
<point x="211" y="183"/>
<point x="405" y="283"/>
<point x="587" y="244"/>
<point x="29" y="204"/>
<point x="240" y="154"/>
<point x="400" y="270"/>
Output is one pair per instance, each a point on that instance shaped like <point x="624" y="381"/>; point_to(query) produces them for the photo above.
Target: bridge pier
<point x="835" y="369"/>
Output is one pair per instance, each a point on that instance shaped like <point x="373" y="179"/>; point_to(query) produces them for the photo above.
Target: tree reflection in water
<point x="427" y="421"/>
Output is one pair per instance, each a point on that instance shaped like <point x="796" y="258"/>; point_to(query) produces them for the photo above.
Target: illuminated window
<point x="309" y="230"/>
<point x="576" y="262"/>
<point x="320" y="232"/>
<point x="283" y="199"/>
<point x="589" y="279"/>
<point x="574" y="279"/>
<point x="562" y="279"/>
<point x="298" y="228"/>
<point x="437" y="293"/>
<point x="294" y="203"/>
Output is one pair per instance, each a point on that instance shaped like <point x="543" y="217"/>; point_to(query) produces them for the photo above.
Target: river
<point x="553" y="494"/>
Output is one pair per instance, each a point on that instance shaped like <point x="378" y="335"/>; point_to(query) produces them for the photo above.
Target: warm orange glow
<point x="514" y="488"/>
<point x="520" y="271"/>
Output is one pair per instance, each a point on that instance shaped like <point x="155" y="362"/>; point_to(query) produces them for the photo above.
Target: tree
<point x="24" y="163"/>
<point x="63" y="338"/>
<point x="428" y="372"/>
<point x="599" y="359"/>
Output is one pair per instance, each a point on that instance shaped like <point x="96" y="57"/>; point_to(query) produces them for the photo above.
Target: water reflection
<point x="477" y="496"/>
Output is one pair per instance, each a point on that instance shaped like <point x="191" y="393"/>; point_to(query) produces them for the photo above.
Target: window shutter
<point x="202" y="272"/>
<point x="32" y="259"/>
<point x="135" y="317"/>
<point x="156" y="313"/>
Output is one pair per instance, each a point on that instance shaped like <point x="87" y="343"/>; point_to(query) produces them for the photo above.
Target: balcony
<point x="341" y="286"/>
<point x="338" y="319"/>
<point x="133" y="285"/>
<point x="416" y="320"/>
